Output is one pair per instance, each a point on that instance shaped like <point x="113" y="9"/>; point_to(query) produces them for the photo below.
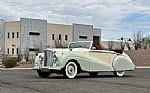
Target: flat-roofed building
<point x="28" y="36"/>
<point x="2" y="35"/>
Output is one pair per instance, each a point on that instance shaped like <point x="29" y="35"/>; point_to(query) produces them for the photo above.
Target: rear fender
<point x="123" y="62"/>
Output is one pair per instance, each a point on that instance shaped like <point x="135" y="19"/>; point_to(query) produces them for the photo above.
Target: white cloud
<point x="105" y="14"/>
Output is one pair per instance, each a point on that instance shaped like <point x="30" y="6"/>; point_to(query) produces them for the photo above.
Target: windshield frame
<point x="90" y="45"/>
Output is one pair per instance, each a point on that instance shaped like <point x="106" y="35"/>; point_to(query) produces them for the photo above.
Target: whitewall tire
<point x="119" y="73"/>
<point x="71" y="70"/>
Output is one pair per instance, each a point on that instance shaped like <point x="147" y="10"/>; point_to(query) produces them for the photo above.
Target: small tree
<point x="25" y="56"/>
<point x="146" y="41"/>
<point x="137" y="38"/>
<point x="127" y="43"/>
<point x="122" y="44"/>
<point x="58" y="43"/>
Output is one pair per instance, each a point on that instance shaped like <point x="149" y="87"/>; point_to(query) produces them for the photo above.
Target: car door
<point x="99" y="60"/>
<point x="79" y="55"/>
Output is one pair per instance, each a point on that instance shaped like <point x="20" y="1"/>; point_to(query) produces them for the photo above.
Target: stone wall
<point x="140" y="57"/>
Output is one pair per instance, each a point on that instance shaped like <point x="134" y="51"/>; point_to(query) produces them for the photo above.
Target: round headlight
<point x="40" y="57"/>
<point x="54" y="58"/>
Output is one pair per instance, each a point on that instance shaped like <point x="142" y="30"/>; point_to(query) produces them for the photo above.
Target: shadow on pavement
<point x="85" y="76"/>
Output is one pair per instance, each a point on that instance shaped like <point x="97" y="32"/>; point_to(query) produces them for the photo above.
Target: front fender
<point x="82" y="60"/>
<point x="123" y="62"/>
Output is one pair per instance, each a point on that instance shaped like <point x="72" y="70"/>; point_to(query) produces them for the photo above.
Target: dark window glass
<point x="83" y="37"/>
<point x="17" y="51"/>
<point x="13" y="34"/>
<point x="59" y="36"/>
<point x="33" y="49"/>
<point x="34" y="33"/>
<point x="8" y="34"/>
<point x="53" y="36"/>
<point x="12" y="50"/>
<point x="7" y="50"/>
<point x="66" y="37"/>
<point x="17" y="34"/>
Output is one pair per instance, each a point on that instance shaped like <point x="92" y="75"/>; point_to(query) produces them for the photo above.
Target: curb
<point x="143" y="67"/>
<point x="15" y="68"/>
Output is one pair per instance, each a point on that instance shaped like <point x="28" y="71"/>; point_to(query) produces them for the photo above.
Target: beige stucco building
<point x="12" y="37"/>
<point x="59" y="35"/>
<point x="30" y="35"/>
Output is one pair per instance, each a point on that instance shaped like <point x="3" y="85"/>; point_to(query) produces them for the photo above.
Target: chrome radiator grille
<point x="48" y="57"/>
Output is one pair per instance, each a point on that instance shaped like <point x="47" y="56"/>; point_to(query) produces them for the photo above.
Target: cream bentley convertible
<point x="80" y="57"/>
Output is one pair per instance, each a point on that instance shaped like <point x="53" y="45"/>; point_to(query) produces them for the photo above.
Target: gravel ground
<point x="23" y="65"/>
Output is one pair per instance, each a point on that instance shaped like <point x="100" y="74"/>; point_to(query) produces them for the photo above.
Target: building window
<point x="7" y="50"/>
<point x="34" y="33"/>
<point x="13" y="34"/>
<point x="13" y="45"/>
<point x="17" y="50"/>
<point x="8" y="34"/>
<point x="59" y="36"/>
<point x="33" y="49"/>
<point x="17" y="34"/>
<point x="66" y="37"/>
<point x="12" y="50"/>
<point x="53" y="36"/>
<point x="83" y="37"/>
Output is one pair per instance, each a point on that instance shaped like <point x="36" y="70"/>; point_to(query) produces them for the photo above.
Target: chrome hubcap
<point x="120" y="72"/>
<point x="71" y="70"/>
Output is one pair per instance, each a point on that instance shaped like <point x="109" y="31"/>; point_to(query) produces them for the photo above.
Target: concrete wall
<point x="2" y="35"/>
<point x="29" y="41"/>
<point x="140" y="57"/>
<point x="81" y="31"/>
<point x="58" y="29"/>
<point x="97" y="32"/>
<point x="12" y="43"/>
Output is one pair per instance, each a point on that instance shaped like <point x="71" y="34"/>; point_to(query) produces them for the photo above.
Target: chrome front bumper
<point x="46" y="67"/>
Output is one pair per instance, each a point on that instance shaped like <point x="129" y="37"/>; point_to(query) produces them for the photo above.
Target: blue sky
<point x="116" y="18"/>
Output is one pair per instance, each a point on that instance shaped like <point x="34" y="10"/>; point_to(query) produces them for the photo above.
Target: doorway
<point x="96" y="39"/>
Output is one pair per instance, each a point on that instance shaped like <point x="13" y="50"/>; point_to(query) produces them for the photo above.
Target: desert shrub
<point x="9" y="62"/>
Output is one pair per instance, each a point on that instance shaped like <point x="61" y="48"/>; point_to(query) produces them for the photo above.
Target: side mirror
<point x="70" y="49"/>
<point x="93" y="48"/>
<point x="36" y="53"/>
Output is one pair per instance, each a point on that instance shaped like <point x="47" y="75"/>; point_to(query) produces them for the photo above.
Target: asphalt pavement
<point x="27" y="81"/>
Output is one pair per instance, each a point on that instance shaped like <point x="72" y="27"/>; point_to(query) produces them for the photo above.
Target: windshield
<point x="80" y="45"/>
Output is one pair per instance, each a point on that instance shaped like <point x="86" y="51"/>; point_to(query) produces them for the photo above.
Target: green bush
<point x="9" y="62"/>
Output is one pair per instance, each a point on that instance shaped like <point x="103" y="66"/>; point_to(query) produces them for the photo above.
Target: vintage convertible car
<point x="80" y="57"/>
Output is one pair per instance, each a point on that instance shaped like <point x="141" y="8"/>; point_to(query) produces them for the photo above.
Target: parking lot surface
<point x="27" y="81"/>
